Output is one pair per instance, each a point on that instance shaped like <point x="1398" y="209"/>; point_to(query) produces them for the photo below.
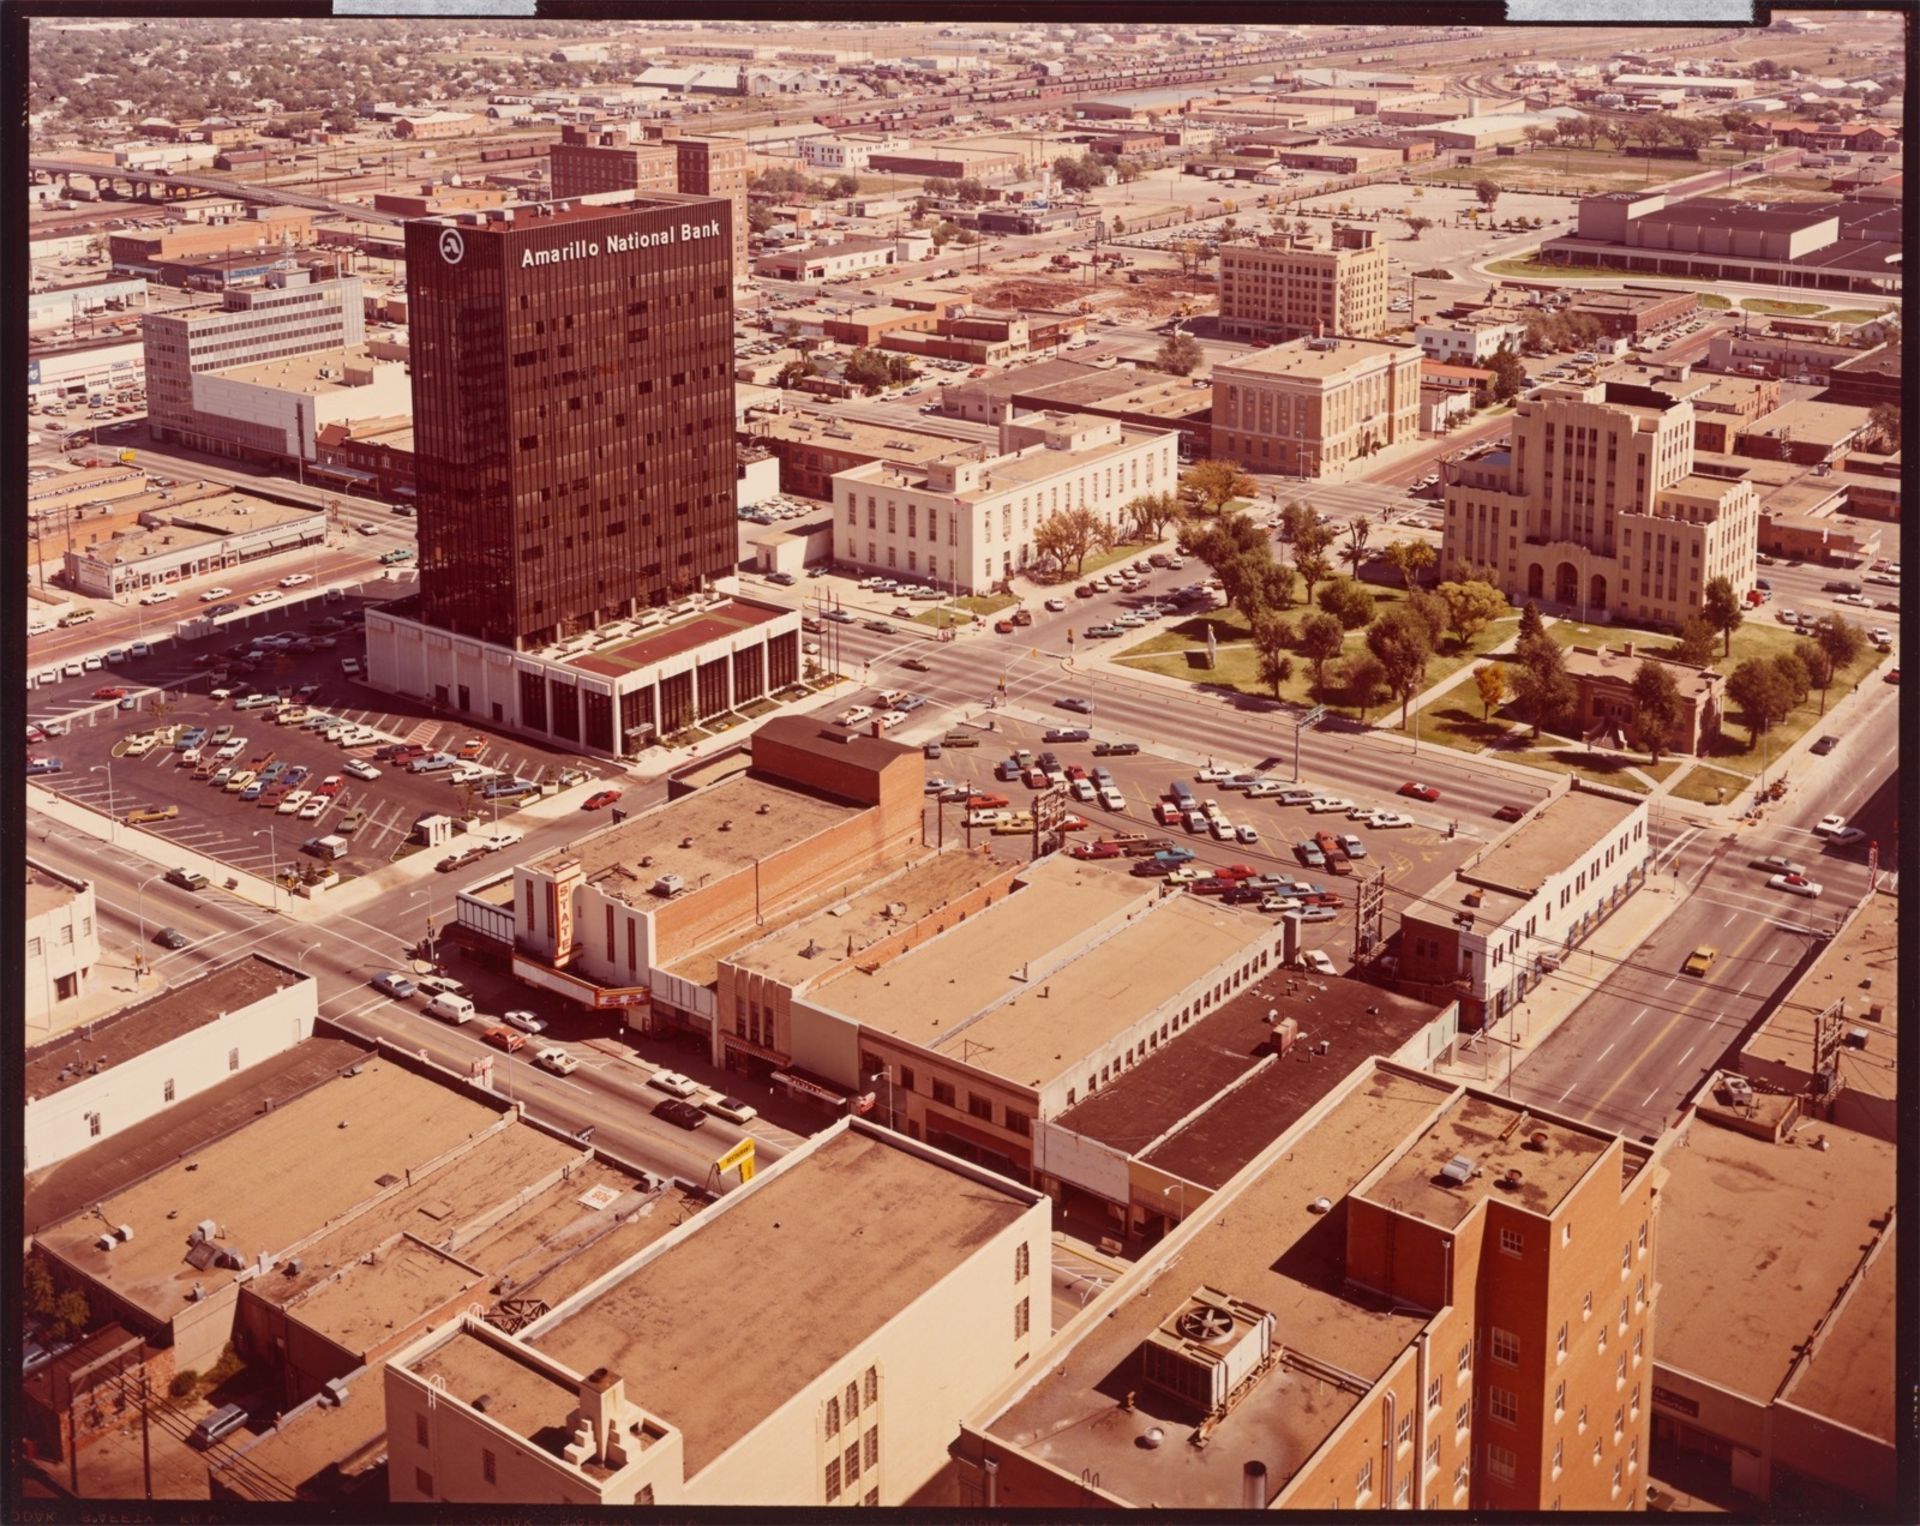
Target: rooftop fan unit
<point x="1207" y="1349"/>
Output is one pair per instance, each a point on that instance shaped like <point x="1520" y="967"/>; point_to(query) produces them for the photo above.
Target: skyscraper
<point x="573" y="412"/>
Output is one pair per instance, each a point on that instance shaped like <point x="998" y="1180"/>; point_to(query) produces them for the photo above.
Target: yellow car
<point x="240" y="781"/>
<point x="1700" y="960"/>
<point x="1013" y="826"/>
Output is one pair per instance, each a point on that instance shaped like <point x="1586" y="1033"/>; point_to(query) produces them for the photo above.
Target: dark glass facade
<point x="573" y="413"/>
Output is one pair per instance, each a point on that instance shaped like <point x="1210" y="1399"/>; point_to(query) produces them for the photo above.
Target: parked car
<point x="1309" y="854"/>
<point x="525" y="1021"/>
<point x="681" y="1114"/>
<point x="673" y="1082"/>
<point x="731" y="1108"/>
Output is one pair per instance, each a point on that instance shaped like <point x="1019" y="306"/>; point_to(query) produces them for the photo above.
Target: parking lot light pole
<point x="113" y="817"/>
<point x="273" y="862"/>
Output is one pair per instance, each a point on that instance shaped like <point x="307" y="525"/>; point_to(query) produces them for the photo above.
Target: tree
<point x="1723" y="610"/>
<point x="66" y="1313"/>
<point x="1410" y="558"/>
<point x="1486" y="192"/>
<point x="1472" y="605"/>
<point x="1178" y="354"/>
<point x="1403" y="646"/>
<point x="1884" y="423"/>
<point x="1756" y="688"/>
<point x="1271" y="638"/>
<point x="1491" y="680"/>
<point x="1310" y="561"/>
<point x="1649" y="132"/>
<point x="1532" y="627"/>
<point x="1354" y="552"/>
<point x="1150" y="513"/>
<point x="1839" y="638"/>
<point x="1365" y="678"/>
<point x="1237" y="551"/>
<point x="1657" y="706"/>
<point x="1536" y="133"/>
<point x="1819" y="666"/>
<point x="1071" y="535"/>
<point x="843" y="186"/>
<point x="1416" y="226"/>
<point x="1795" y="682"/>
<point x="1321" y="638"/>
<point x="1217" y="483"/>
<point x="1509" y="376"/>
<point x="943" y="232"/>
<point x="1696" y="642"/>
<point x="1348" y="602"/>
<point x="1542" y="687"/>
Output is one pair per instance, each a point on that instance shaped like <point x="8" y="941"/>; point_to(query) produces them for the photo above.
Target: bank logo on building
<point x="453" y="247"/>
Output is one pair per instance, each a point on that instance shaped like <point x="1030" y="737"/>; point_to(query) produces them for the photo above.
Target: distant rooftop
<point x="317" y="373"/>
<point x="729" y="617"/>
<point x="852" y="1233"/>
<point x="1315" y="359"/>
<point x="1563" y="830"/>
<point x="1861" y="970"/>
<point x="46" y="889"/>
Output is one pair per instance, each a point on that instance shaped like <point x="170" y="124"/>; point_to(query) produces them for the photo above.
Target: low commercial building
<point x="65" y="368"/>
<point x="645" y="1388"/>
<point x="829" y="262"/>
<point x="1603" y="681"/>
<point x="1519" y="908"/>
<point x="808" y="808"/>
<point x="1867" y="380"/>
<point x="1279" y="287"/>
<point x="1315" y="407"/>
<point x="278" y="230"/>
<point x="1633" y="312"/>
<point x="89" y="1085"/>
<point x="1404" y="1301"/>
<point x="952" y="518"/>
<point x="440" y="124"/>
<point x="1467" y="341"/>
<point x="1443" y="407"/>
<point x="62" y="948"/>
<point x="372" y="456"/>
<point x="179" y="542"/>
<point x="1803" y="431"/>
<point x="1781" y="356"/>
<point x="848" y="155"/>
<point x="71" y="306"/>
<point x="274" y="410"/>
<point x="1143" y="398"/>
<point x="614" y="691"/>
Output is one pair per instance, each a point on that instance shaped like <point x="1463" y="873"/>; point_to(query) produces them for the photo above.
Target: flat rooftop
<point x="1496" y="1135"/>
<point x="1867" y="950"/>
<point x="1563" y="830"/>
<point x="1757" y="1241"/>
<point x="1300" y="359"/>
<point x="1851" y="1377"/>
<point x="521" y="1394"/>
<point x="269" y="1185"/>
<point x="999" y="472"/>
<point x="135" y="1030"/>
<point x="317" y="1451"/>
<point x="316" y="374"/>
<point x="836" y="923"/>
<point x="685" y="635"/>
<point x="1264" y="1246"/>
<point x="888" y="442"/>
<point x="1804" y="420"/>
<point x="609" y="859"/>
<point x="1194" y="1069"/>
<point x="230" y="513"/>
<point x="1613" y="662"/>
<point x="1031" y="985"/>
<point x="853" y="1231"/>
<point x="45" y="891"/>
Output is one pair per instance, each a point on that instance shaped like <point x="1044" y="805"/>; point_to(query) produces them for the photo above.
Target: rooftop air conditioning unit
<point x="1458" y="1171"/>
<point x="1207" y="1349"/>
<point x="204" y="1230"/>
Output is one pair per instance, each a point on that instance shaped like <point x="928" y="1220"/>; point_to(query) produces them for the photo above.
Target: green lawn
<point x="1569" y="272"/>
<point x="1850" y="314"/>
<point x="1782" y="309"/>
<point x="1559" y="171"/>
<point x="1709" y="786"/>
<point x="1709" y="299"/>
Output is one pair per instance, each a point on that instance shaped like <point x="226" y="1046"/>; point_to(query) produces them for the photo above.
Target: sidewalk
<point x="1488" y="1057"/>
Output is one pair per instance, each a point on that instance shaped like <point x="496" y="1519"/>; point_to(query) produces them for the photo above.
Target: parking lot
<point x="1416" y="858"/>
<point x="104" y="764"/>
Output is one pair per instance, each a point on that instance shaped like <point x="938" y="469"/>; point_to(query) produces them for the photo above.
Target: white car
<point x="556" y="1060"/>
<point x="672" y="1082"/>
<point x="730" y="1108"/>
<point x="295" y="579"/>
<point x="296" y="801"/>
<point x="1264" y="788"/>
<point x="264" y="596"/>
<point x="1213" y="773"/>
<point x="1112" y="800"/>
<point x="525" y="1021"/>
<point x="1323" y="805"/>
<point x="1853" y="598"/>
<point x="1389" y="819"/>
<point x="361" y="769"/>
<point x="158" y="596"/>
<point x="1317" y="961"/>
<point x="214" y="594"/>
<point x="1359" y="812"/>
<point x="1057" y="605"/>
<point x="854" y="716"/>
<point x="1083" y="789"/>
<point x="315" y="808"/>
<point x="1278" y="903"/>
<point x="1221" y="828"/>
<point x="1247" y="834"/>
<point x="1795" y="884"/>
<point x="367" y="527"/>
<point x="466" y="774"/>
<point x="231" y="750"/>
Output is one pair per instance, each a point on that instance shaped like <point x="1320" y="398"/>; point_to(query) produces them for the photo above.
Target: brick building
<point x="1314" y="407"/>
<point x="1278" y="287"/>
<point x="1603" y="677"/>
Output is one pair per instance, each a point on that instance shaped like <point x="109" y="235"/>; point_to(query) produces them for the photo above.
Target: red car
<point x="1074" y="824"/>
<point x="987" y="802"/>
<point x="1095" y="850"/>
<point x="110" y="691"/>
<point x="470" y="749"/>
<point x="1004" y="627"/>
<point x="606" y="797"/>
<point x="1324" y="898"/>
<point x="1213" y="886"/>
<point x="504" y="1038"/>
<point x="1085" y="591"/>
<point x="328" y="786"/>
<point x="1420" y="791"/>
<point x="35" y="734"/>
<point x="1237" y="872"/>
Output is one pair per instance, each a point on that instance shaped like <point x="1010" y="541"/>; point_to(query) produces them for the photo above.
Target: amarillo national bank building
<point x="574" y="444"/>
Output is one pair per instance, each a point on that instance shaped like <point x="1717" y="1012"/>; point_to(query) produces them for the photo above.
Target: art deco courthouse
<point x="573" y="411"/>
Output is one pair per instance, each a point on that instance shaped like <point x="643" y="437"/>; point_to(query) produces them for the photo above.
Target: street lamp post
<point x="113" y="816"/>
<point x="140" y="953"/>
<point x="273" y="862"/>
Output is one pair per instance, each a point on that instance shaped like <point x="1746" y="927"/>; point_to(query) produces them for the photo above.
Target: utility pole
<point x="146" y="1449"/>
